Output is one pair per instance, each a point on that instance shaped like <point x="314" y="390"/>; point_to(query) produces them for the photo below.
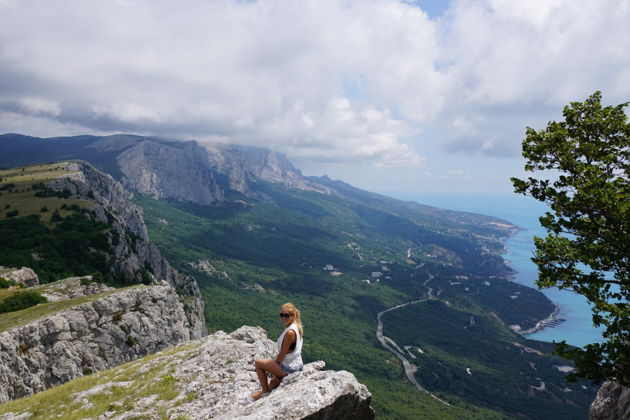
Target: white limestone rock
<point x="23" y="275"/>
<point x="213" y="377"/>
<point x="90" y="337"/>
<point x="611" y="403"/>
<point x="222" y="376"/>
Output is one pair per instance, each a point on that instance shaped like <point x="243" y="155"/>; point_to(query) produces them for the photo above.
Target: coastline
<point x="553" y="318"/>
<point x="543" y="323"/>
<point x="523" y="212"/>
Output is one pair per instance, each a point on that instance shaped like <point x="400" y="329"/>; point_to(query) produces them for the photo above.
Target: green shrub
<point x="13" y="213"/>
<point x="146" y="277"/>
<point x="4" y="283"/>
<point x="45" y="191"/>
<point x="21" y="300"/>
<point x="56" y="217"/>
<point x="97" y="277"/>
<point x="67" y="248"/>
<point x="131" y="341"/>
<point x="43" y="209"/>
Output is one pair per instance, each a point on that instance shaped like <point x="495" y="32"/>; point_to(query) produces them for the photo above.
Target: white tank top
<point x="293" y="359"/>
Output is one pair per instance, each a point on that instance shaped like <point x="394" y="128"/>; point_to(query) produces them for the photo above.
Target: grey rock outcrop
<point x="166" y="171"/>
<point x="134" y="253"/>
<point x="201" y="174"/>
<point x="71" y="288"/>
<point x="222" y="376"/>
<point x="203" y="266"/>
<point x="213" y="377"/>
<point x="90" y="337"/>
<point x="243" y="164"/>
<point x="23" y="275"/>
<point x="611" y="403"/>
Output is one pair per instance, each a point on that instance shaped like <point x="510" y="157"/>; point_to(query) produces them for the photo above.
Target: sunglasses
<point x="283" y="315"/>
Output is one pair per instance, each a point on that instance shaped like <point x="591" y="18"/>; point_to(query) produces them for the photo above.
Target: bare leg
<point x="262" y="367"/>
<point x="275" y="382"/>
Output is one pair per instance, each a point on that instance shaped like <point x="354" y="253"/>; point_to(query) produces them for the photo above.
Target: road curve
<point x="384" y="340"/>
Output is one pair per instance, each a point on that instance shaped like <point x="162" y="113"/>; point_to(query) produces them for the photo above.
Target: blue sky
<point x="397" y="96"/>
<point x="433" y="8"/>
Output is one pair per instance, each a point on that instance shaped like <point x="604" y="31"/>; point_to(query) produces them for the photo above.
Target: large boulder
<point x="23" y="275"/>
<point x="222" y="376"/>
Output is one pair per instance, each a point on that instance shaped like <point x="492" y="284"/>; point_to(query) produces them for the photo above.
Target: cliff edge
<point x="133" y="251"/>
<point x="211" y="377"/>
<point x="117" y="326"/>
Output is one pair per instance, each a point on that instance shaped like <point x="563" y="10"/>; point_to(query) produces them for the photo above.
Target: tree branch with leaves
<point x="580" y="168"/>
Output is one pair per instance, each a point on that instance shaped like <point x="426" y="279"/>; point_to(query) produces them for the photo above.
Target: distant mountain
<point x="180" y="170"/>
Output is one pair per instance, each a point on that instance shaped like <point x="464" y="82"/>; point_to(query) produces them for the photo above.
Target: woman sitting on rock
<point x="289" y="348"/>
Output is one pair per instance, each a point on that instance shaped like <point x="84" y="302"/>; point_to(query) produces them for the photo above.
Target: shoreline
<point x="540" y="325"/>
<point x="553" y="318"/>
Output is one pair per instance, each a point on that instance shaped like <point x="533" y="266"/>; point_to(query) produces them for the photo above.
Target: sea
<point x="576" y="328"/>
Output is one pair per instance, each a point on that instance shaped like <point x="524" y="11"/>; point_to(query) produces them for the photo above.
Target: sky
<point x="395" y="96"/>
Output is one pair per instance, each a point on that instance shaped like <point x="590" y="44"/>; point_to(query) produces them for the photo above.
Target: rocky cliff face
<point x="164" y="171"/>
<point x="90" y="337"/>
<point x="206" y="175"/>
<point x="612" y="402"/>
<point x="133" y="251"/>
<point x="256" y="163"/>
<point x="207" y="378"/>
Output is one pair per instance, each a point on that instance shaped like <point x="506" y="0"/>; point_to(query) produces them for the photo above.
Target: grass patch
<point x="147" y="377"/>
<point x="6" y="292"/>
<point x="21" y="195"/>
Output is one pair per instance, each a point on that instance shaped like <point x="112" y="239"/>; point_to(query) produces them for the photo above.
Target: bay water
<point x="577" y="328"/>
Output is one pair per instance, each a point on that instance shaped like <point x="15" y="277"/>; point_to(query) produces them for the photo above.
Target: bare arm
<point x="289" y="338"/>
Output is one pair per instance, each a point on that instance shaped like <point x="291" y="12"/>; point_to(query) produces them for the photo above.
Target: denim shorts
<point x="290" y="369"/>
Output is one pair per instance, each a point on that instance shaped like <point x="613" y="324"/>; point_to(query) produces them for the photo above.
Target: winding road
<point x="391" y="345"/>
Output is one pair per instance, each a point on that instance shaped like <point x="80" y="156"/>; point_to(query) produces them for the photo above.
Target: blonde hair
<point x="292" y="309"/>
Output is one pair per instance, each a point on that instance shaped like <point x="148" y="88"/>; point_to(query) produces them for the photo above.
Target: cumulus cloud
<point x="514" y="64"/>
<point x="328" y="80"/>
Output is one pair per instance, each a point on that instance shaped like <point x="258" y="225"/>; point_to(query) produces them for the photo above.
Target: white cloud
<point x="328" y="80"/>
<point x="517" y="63"/>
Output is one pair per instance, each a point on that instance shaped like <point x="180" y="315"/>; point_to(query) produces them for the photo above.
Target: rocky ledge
<point x="222" y="377"/>
<point x="110" y="330"/>
<point x="207" y="378"/>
